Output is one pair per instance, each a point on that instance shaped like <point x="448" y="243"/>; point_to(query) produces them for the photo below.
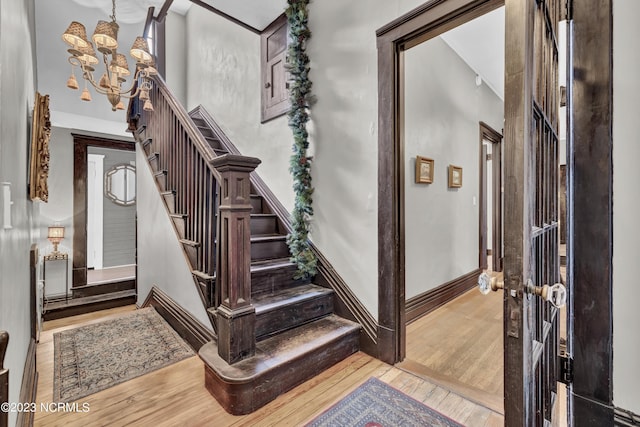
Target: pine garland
<point x="300" y="164"/>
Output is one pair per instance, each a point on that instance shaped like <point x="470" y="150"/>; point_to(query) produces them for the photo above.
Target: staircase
<point x="295" y="333"/>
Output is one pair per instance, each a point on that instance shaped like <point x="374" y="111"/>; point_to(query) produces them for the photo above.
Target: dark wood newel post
<point x="4" y="378"/>
<point x="236" y="317"/>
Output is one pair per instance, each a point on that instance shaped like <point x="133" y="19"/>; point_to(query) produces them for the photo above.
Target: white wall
<point x="176" y="54"/>
<point x="17" y="86"/>
<point x="626" y="230"/>
<point x="161" y="261"/>
<point x="443" y="108"/>
<point x="224" y="70"/>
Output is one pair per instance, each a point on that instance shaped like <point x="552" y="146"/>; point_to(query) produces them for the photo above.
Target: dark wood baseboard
<point x="103" y="288"/>
<point x="424" y="303"/>
<point x="29" y="385"/>
<point x="625" y="418"/>
<point x="187" y="326"/>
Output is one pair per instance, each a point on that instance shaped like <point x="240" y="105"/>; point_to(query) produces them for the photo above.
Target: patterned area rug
<point x="95" y="357"/>
<point x="376" y="404"/>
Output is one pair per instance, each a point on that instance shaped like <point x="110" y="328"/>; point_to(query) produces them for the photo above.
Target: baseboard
<point x="426" y="302"/>
<point x="625" y="418"/>
<point x="29" y="385"/>
<point x="187" y="326"/>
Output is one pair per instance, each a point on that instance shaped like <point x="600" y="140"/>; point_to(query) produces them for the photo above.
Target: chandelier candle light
<point x="105" y="38"/>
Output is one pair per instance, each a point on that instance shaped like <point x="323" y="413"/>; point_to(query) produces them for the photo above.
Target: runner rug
<point x="92" y="358"/>
<point x="376" y="404"/>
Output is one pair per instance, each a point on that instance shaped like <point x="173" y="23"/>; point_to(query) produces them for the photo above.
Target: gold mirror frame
<point x="39" y="162"/>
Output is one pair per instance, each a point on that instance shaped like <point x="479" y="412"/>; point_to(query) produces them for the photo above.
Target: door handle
<point x="486" y="283"/>
<point x="556" y="294"/>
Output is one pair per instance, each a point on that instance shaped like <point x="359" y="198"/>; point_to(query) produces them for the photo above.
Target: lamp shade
<point x="140" y="50"/>
<point x="88" y="55"/>
<point x="106" y="36"/>
<point x="56" y="233"/>
<point x="119" y="65"/>
<point x="76" y="35"/>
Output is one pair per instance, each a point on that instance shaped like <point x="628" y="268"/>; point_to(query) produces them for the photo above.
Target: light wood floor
<point x="111" y="274"/>
<point x="175" y="395"/>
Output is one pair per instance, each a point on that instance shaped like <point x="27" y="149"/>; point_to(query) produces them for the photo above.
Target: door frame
<point x="487" y="133"/>
<point x="424" y="22"/>
<point x="80" y="156"/>
<point x="590" y="213"/>
<point x="590" y="175"/>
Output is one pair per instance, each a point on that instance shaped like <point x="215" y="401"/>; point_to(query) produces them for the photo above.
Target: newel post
<point x="4" y="378"/>
<point x="236" y="317"/>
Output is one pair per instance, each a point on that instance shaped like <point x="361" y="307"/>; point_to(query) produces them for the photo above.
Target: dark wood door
<point x="531" y="323"/>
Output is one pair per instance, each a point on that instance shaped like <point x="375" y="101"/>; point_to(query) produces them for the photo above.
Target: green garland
<point x="300" y="164"/>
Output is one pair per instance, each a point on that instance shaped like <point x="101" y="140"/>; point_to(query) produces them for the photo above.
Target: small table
<point x="59" y="256"/>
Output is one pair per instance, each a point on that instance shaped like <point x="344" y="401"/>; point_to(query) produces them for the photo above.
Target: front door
<point x="531" y="261"/>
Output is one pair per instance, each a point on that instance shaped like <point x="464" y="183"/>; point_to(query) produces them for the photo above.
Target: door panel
<point x="531" y="203"/>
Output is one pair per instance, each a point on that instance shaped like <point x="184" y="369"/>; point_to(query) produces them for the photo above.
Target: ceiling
<point x="480" y="43"/>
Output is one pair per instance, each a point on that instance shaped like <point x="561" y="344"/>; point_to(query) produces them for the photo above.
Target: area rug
<point x="376" y="404"/>
<point x="92" y="358"/>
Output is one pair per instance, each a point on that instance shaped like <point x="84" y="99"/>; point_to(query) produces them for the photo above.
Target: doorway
<point x="104" y="241"/>
<point x="491" y="201"/>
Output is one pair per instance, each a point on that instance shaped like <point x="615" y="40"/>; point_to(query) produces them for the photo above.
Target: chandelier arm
<point x="138" y="74"/>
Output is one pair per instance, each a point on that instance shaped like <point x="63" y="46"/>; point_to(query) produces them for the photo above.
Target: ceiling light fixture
<point x="105" y="38"/>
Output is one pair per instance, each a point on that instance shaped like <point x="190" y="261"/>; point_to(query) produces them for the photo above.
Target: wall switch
<point x="6" y="205"/>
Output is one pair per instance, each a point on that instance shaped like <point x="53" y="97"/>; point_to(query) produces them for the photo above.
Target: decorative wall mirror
<point x="120" y="184"/>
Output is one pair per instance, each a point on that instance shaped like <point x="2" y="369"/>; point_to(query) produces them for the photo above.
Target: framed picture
<point x="455" y="176"/>
<point x="424" y="170"/>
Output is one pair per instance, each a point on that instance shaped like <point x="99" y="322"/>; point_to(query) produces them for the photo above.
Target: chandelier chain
<point x="113" y="17"/>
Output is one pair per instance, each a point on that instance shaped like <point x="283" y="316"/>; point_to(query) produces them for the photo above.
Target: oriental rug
<point x="92" y="358"/>
<point x="376" y="404"/>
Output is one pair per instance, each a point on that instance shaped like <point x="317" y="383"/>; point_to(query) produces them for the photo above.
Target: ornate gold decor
<point x="40" y="134"/>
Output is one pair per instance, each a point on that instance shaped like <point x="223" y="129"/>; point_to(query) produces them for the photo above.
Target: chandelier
<point x="105" y="37"/>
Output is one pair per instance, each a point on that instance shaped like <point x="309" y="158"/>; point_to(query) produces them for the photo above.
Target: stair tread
<point x="170" y="192"/>
<point x="272" y="301"/>
<point x="72" y="302"/>
<point x="202" y="275"/>
<point x="267" y="237"/>
<point x="267" y="264"/>
<point x="189" y="242"/>
<point x="280" y="349"/>
<point x="264" y="215"/>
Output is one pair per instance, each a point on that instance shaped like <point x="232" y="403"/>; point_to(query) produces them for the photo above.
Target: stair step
<point x="281" y="363"/>
<point x="154" y="161"/>
<point x="75" y="306"/>
<point x="264" y="224"/>
<point x="146" y="145"/>
<point x="161" y="179"/>
<point x="123" y="284"/>
<point x="273" y="275"/>
<point x="205" y="284"/>
<point x="265" y="247"/>
<point x="256" y="203"/>
<point x="191" y="249"/>
<point x="180" y="222"/>
<point x="170" y="200"/>
<point x="289" y="308"/>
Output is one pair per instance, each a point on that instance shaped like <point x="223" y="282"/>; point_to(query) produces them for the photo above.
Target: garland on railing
<point x="300" y="164"/>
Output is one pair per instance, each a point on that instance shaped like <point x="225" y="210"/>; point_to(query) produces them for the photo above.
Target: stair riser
<point x="256" y="205"/>
<point x="192" y="255"/>
<point x="154" y="162"/>
<point x="264" y="225"/>
<point x="105" y="288"/>
<point x="290" y="316"/>
<point x="244" y="398"/>
<point x="271" y="280"/>
<point x="179" y="223"/>
<point x="269" y="249"/>
<point x="146" y="146"/>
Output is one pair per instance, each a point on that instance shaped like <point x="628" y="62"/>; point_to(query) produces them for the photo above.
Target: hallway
<point x="176" y="395"/>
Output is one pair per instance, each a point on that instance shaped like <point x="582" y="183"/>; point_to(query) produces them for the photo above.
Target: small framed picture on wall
<point x="455" y="176"/>
<point x="424" y="170"/>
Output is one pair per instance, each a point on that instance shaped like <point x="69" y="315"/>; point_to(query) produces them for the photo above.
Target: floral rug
<point x="376" y="404"/>
<point x="92" y="358"/>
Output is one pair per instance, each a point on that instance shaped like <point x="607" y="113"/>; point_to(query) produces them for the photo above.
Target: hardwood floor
<point x="176" y="395"/>
<point x="111" y="274"/>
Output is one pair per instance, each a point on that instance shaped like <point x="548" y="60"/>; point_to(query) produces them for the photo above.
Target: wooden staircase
<point x="296" y="334"/>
